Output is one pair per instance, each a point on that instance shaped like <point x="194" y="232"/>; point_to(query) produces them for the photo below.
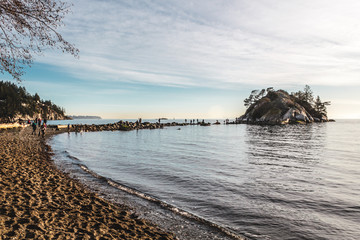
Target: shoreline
<point x="48" y="202"/>
<point x="183" y="224"/>
<point x="39" y="201"/>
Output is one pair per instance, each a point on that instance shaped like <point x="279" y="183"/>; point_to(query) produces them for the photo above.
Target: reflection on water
<point x="266" y="182"/>
<point x="284" y="168"/>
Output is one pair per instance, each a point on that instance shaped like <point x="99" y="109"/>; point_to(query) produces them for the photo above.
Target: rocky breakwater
<point x="118" y="126"/>
<point x="279" y="107"/>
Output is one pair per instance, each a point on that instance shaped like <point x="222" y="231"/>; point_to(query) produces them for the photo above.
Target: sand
<point x="38" y="201"/>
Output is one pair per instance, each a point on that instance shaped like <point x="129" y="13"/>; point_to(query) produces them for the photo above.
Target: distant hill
<point x="16" y="103"/>
<point x="84" y="117"/>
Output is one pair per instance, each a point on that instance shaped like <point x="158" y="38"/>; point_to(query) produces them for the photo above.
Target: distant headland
<point x="277" y="107"/>
<point x="83" y="117"/>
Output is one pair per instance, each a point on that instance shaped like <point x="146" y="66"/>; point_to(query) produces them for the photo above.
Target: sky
<point x="200" y="59"/>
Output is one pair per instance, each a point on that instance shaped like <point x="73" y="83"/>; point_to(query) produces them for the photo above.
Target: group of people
<point x="39" y="124"/>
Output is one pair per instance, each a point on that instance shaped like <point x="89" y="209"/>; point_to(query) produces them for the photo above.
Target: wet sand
<point x="38" y="201"/>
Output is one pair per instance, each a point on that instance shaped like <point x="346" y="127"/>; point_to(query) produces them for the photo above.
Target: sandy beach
<point x="38" y="201"/>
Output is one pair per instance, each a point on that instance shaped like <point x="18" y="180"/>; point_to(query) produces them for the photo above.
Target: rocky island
<point x="276" y="107"/>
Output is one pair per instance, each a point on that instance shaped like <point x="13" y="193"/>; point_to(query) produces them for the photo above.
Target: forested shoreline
<point x="16" y="104"/>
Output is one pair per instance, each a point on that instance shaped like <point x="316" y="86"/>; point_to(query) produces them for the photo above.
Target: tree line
<point x="15" y="101"/>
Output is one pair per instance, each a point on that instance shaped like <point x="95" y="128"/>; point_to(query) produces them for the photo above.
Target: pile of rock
<point x="118" y="126"/>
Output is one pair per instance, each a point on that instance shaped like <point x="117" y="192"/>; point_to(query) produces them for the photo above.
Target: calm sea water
<point x="265" y="182"/>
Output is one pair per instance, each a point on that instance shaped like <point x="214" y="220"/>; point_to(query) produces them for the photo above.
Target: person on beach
<point x="39" y="124"/>
<point x="34" y="128"/>
<point x="43" y="129"/>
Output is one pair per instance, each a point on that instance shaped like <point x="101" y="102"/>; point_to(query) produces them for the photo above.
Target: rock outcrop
<point x="118" y="126"/>
<point x="279" y="107"/>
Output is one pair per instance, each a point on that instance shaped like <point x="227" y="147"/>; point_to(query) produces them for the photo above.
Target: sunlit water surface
<point x="265" y="182"/>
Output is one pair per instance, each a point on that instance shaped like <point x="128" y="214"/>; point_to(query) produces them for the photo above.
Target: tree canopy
<point x="28" y="27"/>
<point x="306" y="95"/>
<point x="16" y="101"/>
<point x="321" y="106"/>
<point x="256" y="95"/>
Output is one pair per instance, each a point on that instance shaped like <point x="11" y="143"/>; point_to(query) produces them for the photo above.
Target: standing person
<point x="34" y="128"/>
<point x="39" y="125"/>
<point x="43" y="129"/>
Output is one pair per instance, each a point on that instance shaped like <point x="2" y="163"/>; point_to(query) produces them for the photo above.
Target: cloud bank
<point x="214" y="43"/>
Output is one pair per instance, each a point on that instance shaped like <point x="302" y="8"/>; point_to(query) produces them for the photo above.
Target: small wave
<point x="163" y="204"/>
<point x="277" y="165"/>
<point x="73" y="158"/>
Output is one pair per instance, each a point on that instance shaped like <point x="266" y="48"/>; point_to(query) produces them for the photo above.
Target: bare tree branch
<point x="28" y="27"/>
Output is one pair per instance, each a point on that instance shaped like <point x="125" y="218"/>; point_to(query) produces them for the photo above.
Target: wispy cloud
<point x="214" y="43"/>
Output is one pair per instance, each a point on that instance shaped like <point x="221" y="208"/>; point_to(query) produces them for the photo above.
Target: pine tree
<point x="320" y="106"/>
<point x="308" y="94"/>
<point x="256" y="95"/>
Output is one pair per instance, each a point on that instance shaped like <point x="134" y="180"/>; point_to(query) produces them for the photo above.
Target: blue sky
<point x="200" y="59"/>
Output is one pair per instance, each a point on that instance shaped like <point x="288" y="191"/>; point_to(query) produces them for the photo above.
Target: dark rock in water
<point x="217" y="123"/>
<point x="279" y="107"/>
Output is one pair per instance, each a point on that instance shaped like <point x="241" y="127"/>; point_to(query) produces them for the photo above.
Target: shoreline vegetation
<point x="39" y="201"/>
<point x="17" y="105"/>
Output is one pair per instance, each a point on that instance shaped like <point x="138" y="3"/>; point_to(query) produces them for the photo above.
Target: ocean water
<point x="262" y="182"/>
